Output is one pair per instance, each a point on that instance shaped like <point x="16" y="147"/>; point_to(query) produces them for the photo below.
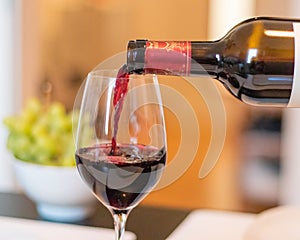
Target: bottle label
<point x="170" y="57"/>
<point x="295" y="94"/>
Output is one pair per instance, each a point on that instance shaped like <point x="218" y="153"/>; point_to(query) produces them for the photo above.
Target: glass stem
<point x="120" y="217"/>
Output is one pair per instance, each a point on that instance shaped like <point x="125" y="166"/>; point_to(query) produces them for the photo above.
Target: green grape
<point x="23" y="126"/>
<point x="61" y="124"/>
<point x="47" y="143"/>
<point x="42" y="136"/>
<point x="18" y="142"/>
<point x="24" y="156"/>
<point x="40" y="128"/>
<point x="19" y="145"/>
<point x="40" y="156"/>
<point x="56" y="110"/>
<point x="34" y="105"/>
<point x="68" y="161"/>
<point x="10" y="122"/>
<point x="31" y="112"/>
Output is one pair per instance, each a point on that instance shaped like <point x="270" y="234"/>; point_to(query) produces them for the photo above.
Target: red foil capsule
<point x="172" y="57"/>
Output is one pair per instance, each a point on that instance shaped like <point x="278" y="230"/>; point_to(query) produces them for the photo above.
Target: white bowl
<point x="59" y="192"/>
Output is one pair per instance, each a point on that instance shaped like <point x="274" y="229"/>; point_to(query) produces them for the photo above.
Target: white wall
<point x="290" y="170"/>
<point x="277" y="8"/>
<point x="9" y="81"/>
<point x="225" y="14"/>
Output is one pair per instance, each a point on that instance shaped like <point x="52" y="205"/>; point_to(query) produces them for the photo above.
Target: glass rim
<point x="104" y="73"/>
<point x="112" y="73"/>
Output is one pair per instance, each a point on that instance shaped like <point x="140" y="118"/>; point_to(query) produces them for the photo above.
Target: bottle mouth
<point x="136" y="55"/>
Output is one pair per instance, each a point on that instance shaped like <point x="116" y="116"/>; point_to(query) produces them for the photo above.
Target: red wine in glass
<point x="123" y="180"/>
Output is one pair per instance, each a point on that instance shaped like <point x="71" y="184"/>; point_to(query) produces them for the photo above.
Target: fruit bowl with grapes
<point x="42" y="145"/>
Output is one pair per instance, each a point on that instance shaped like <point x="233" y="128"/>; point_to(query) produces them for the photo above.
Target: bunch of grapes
<point x="42" y="135"/>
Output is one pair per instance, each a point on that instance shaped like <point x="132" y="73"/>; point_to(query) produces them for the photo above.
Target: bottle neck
<point x="174" y="57"/>
<point x="206" y="57"/>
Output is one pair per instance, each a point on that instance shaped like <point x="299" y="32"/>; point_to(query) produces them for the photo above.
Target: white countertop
<point x="278" y="223"/>
<point x="213" y="225"/>
<point x="24" y="229"/>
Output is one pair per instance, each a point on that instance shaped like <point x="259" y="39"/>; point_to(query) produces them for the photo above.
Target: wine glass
<point x="120" y="140"/>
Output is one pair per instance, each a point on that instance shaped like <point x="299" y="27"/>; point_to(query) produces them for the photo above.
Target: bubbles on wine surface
<point x="124" y="154"/>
